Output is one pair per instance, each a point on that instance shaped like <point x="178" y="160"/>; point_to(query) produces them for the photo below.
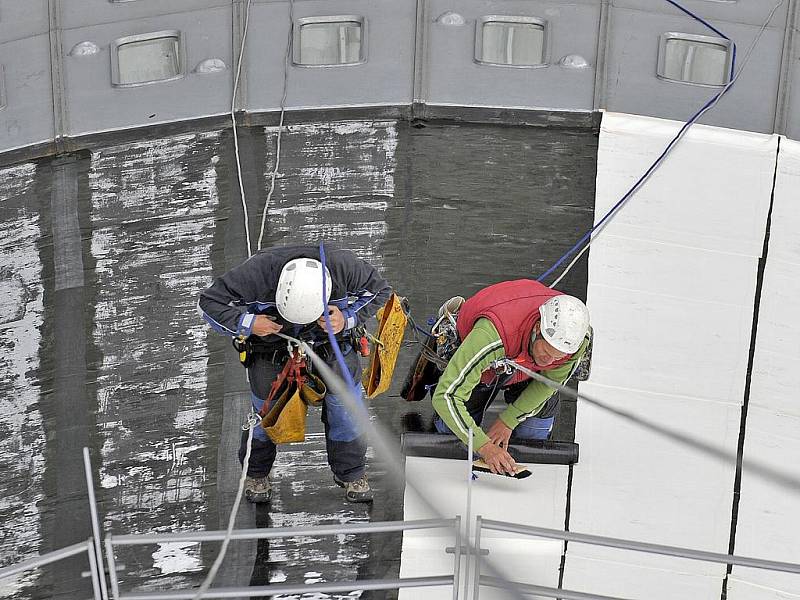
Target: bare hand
<point x="499" y="433"/>
<point x="336" y="317"/>
<point x="499" y="460"/>
<point x="263" y="325"/>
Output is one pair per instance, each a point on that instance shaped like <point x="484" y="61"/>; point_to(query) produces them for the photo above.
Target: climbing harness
<point x="283" y="414"/>
<point x="436" y="351"/>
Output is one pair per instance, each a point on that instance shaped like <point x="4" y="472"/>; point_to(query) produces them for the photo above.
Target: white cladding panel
<point x="671" y="289"/>
<point x="769" y="520"/>
<point x="539" y="500"/>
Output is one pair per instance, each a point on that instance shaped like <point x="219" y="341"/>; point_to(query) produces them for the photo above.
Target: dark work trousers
<point x="345" y="442"/>
<point x="533" y="428"/>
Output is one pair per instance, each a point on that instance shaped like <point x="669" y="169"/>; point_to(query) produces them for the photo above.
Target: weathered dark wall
<point x="103" y="258"/>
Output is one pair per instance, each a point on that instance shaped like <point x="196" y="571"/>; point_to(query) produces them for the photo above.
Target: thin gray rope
<point x="236" y="132"/>
<point x="758" y="468"/>
<point x="280" y="122"/>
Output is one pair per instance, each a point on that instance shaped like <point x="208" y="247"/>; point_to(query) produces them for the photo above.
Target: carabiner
<point x="251" y="421"/>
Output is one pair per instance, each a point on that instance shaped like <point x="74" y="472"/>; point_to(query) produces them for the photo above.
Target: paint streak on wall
<point x="152" y="217"/>
<point x="21" y="431"/>
<point x="317" y="198"/>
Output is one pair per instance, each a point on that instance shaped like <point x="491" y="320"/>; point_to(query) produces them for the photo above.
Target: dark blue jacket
<point x="229" y="304"/>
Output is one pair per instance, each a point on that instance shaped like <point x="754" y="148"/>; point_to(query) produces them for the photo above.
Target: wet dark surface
<point x="101" y="259"/>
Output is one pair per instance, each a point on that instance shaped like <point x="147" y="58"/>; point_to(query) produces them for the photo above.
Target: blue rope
<point x="660" y="159"/>
<point x="711" y="27"/>
<point x="331" y="337"/>
<point x="420" y="329"/>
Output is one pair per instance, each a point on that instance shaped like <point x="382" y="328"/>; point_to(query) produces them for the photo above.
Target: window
<point x="147" y="58"/>
<point x="329" y="41"/>
<point x="511" y="41"/>
<point x="697" y="59"/>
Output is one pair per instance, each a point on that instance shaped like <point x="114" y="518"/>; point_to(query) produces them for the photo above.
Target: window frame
<point x="526" y="20"/>
<point x="297" y="33"/>
<point x="693" y="37"/>
<point x="144" y="37"/>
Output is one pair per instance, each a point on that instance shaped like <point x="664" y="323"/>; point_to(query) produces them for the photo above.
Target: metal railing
<point x="597" y="540"/>
<point x="280" y="532"/>
<point x="478" y="579"/>
<point x="473" y="579"/>
<point x="45" y="559"/>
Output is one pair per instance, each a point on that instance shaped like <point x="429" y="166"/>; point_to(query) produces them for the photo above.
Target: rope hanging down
<point x="236" y="131"/>
<point x="286" y="59"/>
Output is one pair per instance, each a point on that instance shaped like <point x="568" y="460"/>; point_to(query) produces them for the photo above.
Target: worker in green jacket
<point x="530" y="324"/>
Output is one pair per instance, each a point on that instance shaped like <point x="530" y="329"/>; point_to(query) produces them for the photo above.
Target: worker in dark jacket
<point x="522" y="321"/>
<point x="280" y="290"/>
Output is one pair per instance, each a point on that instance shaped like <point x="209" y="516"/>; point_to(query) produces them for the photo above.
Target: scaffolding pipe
<point x="46" y="559"/>
<point x="280" y="532"/>
<point x="87" y="464"/>
<point x="596" y="540"/>
<point x="274" y="590"/>
<point x="539" y="590"/>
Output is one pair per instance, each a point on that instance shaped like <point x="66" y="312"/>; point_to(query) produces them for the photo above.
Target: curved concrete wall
<point x="413" y="59"/>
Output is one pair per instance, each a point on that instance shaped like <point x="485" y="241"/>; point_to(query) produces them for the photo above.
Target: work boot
<point x="257" y="489"/>
<point x="355" y="491"/>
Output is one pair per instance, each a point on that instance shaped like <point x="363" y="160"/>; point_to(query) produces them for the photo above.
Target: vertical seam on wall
<point x="567" y="511"/>
<point x="236" y="41"/>
<point x="786" y="72"/>
<point x="419" y="87"/>
<point x="237" y="23"/>
<point x="737" y="482"/>
<point x="56" y="74"/>
<point x="603" y="29"/>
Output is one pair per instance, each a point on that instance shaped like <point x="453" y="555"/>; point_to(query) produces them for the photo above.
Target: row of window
<point x="499" y="41"/>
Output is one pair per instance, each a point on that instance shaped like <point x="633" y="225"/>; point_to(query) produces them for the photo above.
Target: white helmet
<point x="299" y="296"/>
<point x="565" y="322"/>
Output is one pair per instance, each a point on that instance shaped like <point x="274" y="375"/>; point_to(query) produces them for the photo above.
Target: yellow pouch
<point x="313" y="390"/>
<point x="392" y="322"/>
<point x="286" y="420"/>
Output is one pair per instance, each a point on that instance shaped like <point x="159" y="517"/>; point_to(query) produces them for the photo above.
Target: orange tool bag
<point x="291" y="393"/>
